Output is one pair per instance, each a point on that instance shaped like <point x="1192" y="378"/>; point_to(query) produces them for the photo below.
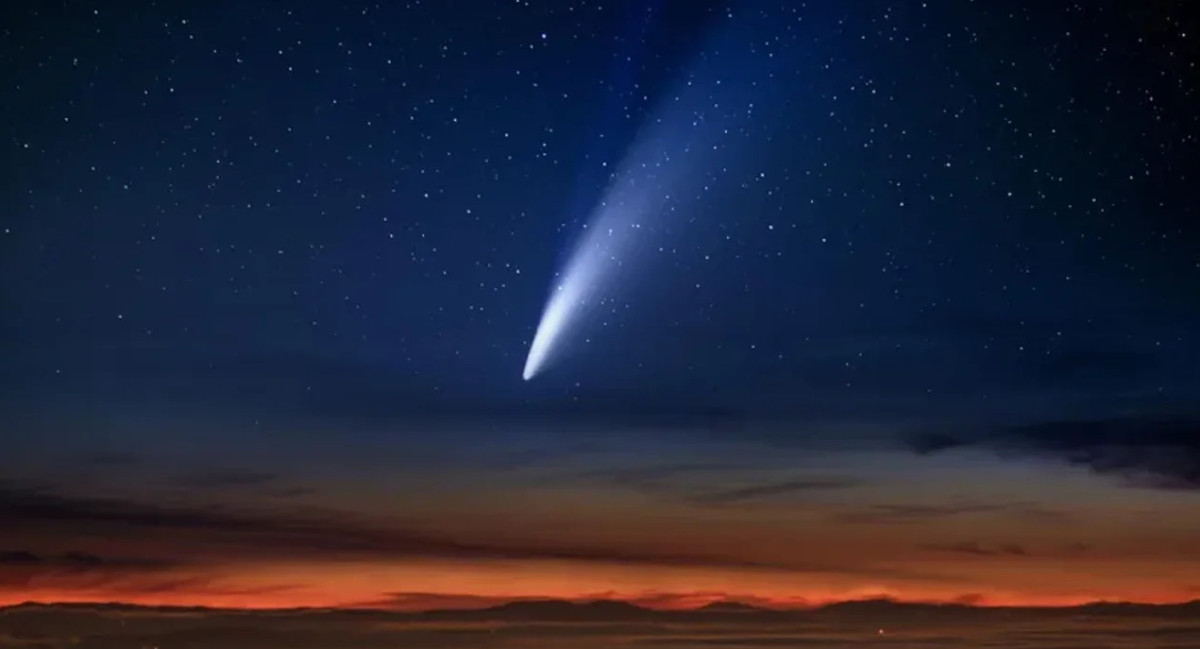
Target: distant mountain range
<point x="733" y="607"/>
<point x="883" y="611"/>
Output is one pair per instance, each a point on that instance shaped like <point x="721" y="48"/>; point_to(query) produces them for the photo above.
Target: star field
<point x="340" y="189"/>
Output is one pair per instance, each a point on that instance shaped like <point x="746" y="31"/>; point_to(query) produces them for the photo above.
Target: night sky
<point x="913" y="310"/>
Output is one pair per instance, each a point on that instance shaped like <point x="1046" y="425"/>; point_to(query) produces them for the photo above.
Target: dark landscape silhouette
<point x="606" y="623"/>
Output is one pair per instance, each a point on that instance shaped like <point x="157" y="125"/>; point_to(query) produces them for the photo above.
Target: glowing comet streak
<point x="595" y="256"/>
<point x="668" y="163"/>
<point x="612" y="235"/>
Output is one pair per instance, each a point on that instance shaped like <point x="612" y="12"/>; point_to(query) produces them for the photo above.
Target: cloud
<point x="292" y="492"/>
<point x="19" y="558"/>
<point x="1077" y="548"/>
<point x="224" y="478"/>
<point x="25" y="506"/>
<point x="655" y="478"/>
<point x="22" y="568"/>
<point x="1155" y="453"/>
<point x="970" y="599"/>
<point x="768" y="490"/>
<point x="424" y="601"/>
<point x="889" y="513"/>
<point x="693" y="482"/>
<point x="75" y="560"/>
<point x="218" y="535"/>
<point x="977" y="549"/>
<point x="692" y="600"/>
<point x="421" y="601"/>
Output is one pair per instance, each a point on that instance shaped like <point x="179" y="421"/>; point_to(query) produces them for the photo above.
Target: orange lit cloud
<point x="576" y="545"/>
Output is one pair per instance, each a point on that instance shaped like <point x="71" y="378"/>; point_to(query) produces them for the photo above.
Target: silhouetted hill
<point x="881" y="611"/>
<point x="731" y="607"/>
<point x="887" y="606"/>
<point x="563" y="611"/>
<point x="886" y="610"/>
<point x="890" y="613"/>
<point x="1132" y="609"/>
<point x="597" y="625"/>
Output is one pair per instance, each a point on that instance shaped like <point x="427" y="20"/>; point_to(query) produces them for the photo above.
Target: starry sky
<point x="920" y="318"/>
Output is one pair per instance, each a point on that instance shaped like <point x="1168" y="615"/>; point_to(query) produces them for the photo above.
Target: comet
<point x="667" y="169"/>
<point x="628" y="219"/>
<point x="597" y="257"/>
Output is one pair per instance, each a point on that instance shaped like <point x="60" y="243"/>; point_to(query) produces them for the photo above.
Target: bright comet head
<point x="564" y="305"/>
<point x="547" y="331"/>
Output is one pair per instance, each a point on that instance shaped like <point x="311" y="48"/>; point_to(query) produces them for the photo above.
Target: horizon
<point x="584" y="602"/>
<point x="113" y="628"/>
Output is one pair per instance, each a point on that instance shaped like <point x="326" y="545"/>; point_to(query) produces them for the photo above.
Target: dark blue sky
<point x="365" y="205"/>
<point x="235" y="225"/>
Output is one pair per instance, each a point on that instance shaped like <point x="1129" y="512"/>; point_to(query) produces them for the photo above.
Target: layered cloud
<point x="22" y="568"/>
<point x="1156" y="453"/>
<point x="194" y="537"/>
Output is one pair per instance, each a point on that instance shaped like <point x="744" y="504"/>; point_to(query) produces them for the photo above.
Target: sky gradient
<point x="909" y="306"/>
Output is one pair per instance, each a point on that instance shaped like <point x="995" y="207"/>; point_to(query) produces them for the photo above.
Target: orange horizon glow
<point x="458" y="601"/>
<point x="468" y="548"/>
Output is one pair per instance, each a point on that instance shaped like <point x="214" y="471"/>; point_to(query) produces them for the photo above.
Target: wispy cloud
<point x="903" y="513"/>
<point x="701" y="483"/>
<point x="769" y="490"/>
<point x="221" y="534"/>
<point x="24" y="568"/>
<point x="653" y="478"/>
<point x="77" y="560"/>
<point x="978" y="549"/>
<point x="1156" y="453"/>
